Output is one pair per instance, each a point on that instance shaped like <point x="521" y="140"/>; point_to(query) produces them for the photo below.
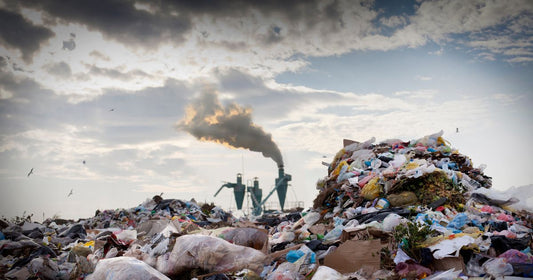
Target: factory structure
<point x="256" y="193"/>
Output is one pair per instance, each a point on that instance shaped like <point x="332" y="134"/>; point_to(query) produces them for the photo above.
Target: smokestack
<point x="282" y="182"/>
<point x="207" y="120"/>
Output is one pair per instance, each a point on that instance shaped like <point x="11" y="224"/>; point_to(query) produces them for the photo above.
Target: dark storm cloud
<point x="19" y="33"/>
<point x="151" y="110"/>
<point x="3" y="62"/>
<point x="28" y="106"/>
<point x="118" y="20"/>
<point x="60" y="69"/>
<point x="171" y="20"/>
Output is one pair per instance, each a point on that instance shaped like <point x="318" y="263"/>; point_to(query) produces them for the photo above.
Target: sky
<point x="121" y="100"/>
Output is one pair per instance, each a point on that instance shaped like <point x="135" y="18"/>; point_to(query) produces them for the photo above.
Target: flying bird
<point x="31" y="172"/>
<point x="112" y="109"/>
<point x="83" y="162"/>
<point x="70" y="193"/>
<point x="457" y="130"/>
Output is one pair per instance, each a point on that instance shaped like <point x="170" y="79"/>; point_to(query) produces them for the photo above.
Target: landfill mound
<point x="392" y="210"/>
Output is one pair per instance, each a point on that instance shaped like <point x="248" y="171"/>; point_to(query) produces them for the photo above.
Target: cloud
<point x="3" y="62"/>
<point x="520" y="59"/>
<point x="393" y="21"/>
<point x="17" y="32"/>
<point x="119" y="20"/>
<point x="438" y="52"/>
<point x="99" y="55"/>
<point x="417" y="94"/>
<point x="273" y="33"/>
<point x="60" y="69"/>
<point x="115" y="43"/>
<point x="507" y="99"/>
<point x="4" y="94"/>
<point x="487" y="25"/>
<point x="116" y="73"/>
<point x="423" y="78"/>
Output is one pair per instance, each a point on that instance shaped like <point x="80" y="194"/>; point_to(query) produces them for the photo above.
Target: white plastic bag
<point x="125" y="268"/>
<point x="326" y="273"/>
<point x="209" y="253"/>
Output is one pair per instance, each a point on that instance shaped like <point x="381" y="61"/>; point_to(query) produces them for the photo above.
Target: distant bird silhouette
<point x="70" y="193"/>
<point x="112" y="109"/>
<point x="83" y="162"/>
<point x="31" y="172"/>
<point x="457" y="130"/>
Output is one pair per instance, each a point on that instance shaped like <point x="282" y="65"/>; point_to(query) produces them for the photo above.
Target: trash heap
<point x="393" y="210"/>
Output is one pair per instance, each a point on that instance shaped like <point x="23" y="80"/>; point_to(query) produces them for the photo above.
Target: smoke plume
<point x="207" y="120"/>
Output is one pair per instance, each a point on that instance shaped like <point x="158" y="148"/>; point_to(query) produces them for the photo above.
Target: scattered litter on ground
<point x="393" y="210"/>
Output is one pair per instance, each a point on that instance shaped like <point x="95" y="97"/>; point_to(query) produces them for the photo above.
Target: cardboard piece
<point x="355" y="254"/>
<point x="346" y="142"/>
<point x="318" y="229"/>
<point x="449" y="263"/>
<point x="364" y="234"/>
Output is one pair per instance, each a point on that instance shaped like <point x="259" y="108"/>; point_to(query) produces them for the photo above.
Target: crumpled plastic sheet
<point x="448" y="247"/>
<point x="515" y="256"/>
<point x="125" y="268"/>
<point x="209" y="253"/>
<point x="327" y="273"/>
<point x="405" y="268"/>
<point x="498" y="267"/>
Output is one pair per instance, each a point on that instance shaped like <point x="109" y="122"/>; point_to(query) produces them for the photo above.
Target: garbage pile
<point x="393" y="210"/>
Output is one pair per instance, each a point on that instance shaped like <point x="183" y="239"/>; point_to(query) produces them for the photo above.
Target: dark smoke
<point x="208" y="120"/>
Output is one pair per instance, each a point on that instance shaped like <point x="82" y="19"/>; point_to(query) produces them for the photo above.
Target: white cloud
<point x="5" y="94"/>
<point x="246" y="43"/>
<point x="520" y="59"/>
<point x="420" y="94"/>
<point x="507" y="99"/>
<point x="393" y="21"/>
<point x="423" y="78"/>
<point x="438" y="52"/>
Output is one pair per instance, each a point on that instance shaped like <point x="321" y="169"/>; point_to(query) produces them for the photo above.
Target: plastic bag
<point x="446" y="247"/>
<point x="372" y="189"/>
<point x="285" y="271"/>
<point x="515" y="256"/>
<point x="334" y="234"/>
<point x="209" y="253"/>
<point x="294" y="255"/>
<point x="458" y="221"/>
<point x="473" y="268"/>
<point x="498" y="267"/>
<point x="46" y="268"/>
<point x="326" y="273"/>
<point x="391" y="221"/>
<point x="125" y="268"/>
<point x="311" y="218"/>
<point x="127" y="236"/>
<point x="249" y="237"/>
